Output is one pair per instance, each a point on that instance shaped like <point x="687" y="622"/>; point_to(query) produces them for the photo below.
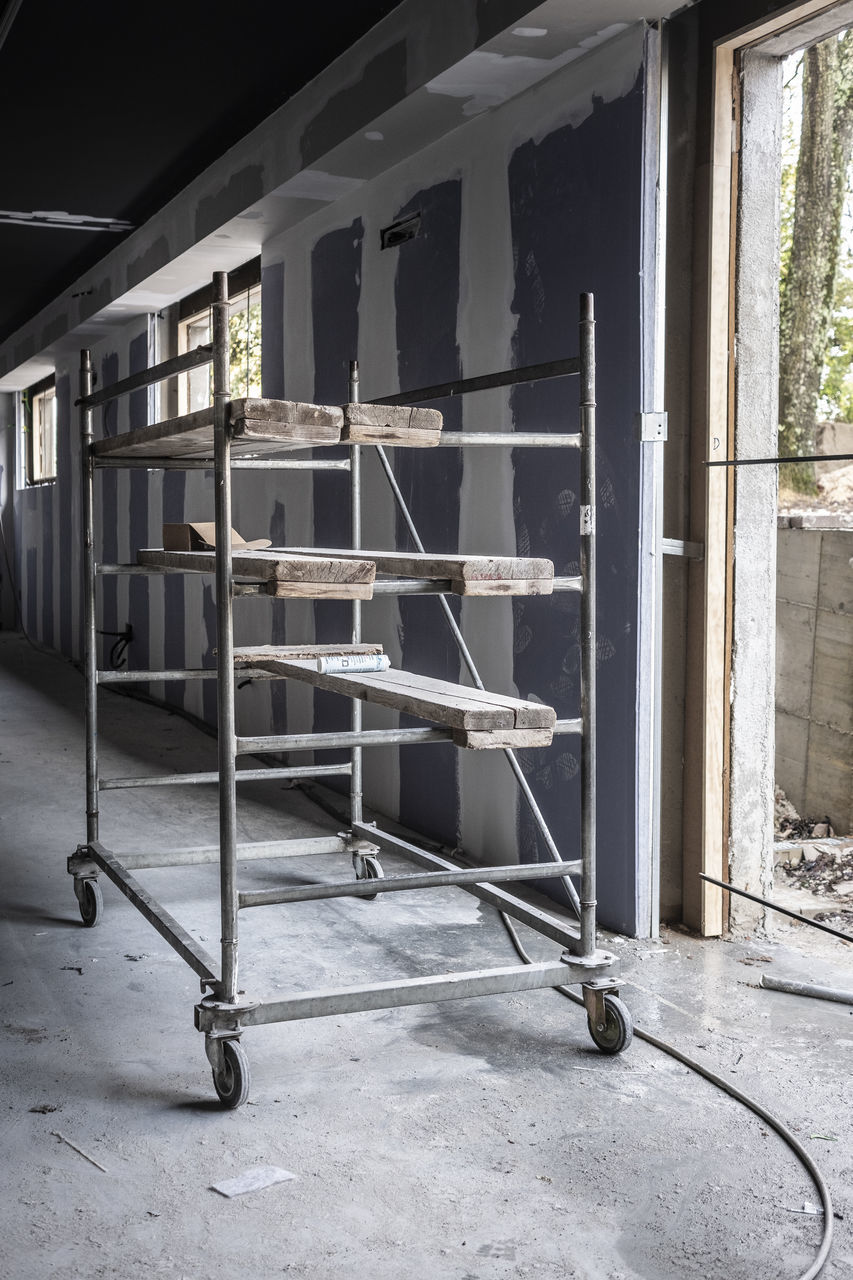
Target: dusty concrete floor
<point x="475" y="1139"/>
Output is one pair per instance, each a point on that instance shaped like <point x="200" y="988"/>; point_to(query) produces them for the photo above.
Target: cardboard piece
<point x="200" y="535"/>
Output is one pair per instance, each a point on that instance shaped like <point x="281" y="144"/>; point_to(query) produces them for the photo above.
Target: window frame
<point x="242" y="282"/>
<point x="33" y="395"/>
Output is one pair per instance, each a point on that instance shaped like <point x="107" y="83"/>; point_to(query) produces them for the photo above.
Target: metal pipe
<point x="542" y="921"/>
<point x="237" y="464"/>
<point x="443" y="586"/>
<point x="509" y="439"/>
<point x="225" y="641"/>
<point x="262" y="849"/>
<point x="193" y="673"/>
<point x="165" y="924"/>
<point x="157" y="372"/>
<point x="487" y="382"/>
<point x="357" y="786"/>
<point x="367" y="738"/>
<point x="342" y="740"/>
<point x="774" y="906"/>
<point x="538" y="816"/>
<point x="588" y="635"/>
<point x="90" y="639"/>
<point x="774" y="462"/>
<point x="397" y="884"/>
<point x="411" y="991"/>
<point x="806" y="989"/>
<point x="240" y="775"/>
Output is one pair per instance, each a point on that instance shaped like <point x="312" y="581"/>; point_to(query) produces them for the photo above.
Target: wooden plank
<point x="512" y="739"/>
<point x="320" y="590"/>
<point x="264" y="566"/>
<point x="290" y="413"/>
<point x="250" y="655"/>
<point x="461" y="568"/>
<point x="436" y="700"/>
<point x="525" y="714"/>
<point x="257" y="425"/>
<point x="391" y="424"/>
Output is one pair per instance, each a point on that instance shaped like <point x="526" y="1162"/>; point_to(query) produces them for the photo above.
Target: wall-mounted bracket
<point x="651" y="426"/>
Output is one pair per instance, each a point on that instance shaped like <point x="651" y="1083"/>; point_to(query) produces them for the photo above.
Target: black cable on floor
<point x="750" y="1103"/>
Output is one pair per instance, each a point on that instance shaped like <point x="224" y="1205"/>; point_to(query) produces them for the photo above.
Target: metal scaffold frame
<point x="223" y="1013"/>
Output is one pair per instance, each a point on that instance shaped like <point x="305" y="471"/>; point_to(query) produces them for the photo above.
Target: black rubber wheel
<point x="232" y="1082"/>
<point x="371" y="869"/>
<point x="618" y="1030"/>
<point x="90" y="900"/>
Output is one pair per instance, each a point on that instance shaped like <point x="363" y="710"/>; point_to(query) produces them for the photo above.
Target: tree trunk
<point x="808" y="286"/>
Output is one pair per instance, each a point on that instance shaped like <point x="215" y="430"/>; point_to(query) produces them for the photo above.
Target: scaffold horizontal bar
<point x="397" y="884"/>
<point x="551" y="926"/>
<point x="237" y="464"/>
<point x="242" y="775"/>
<point x="165" y="924"/>
<point x="295" y="848"/>
<point x="145" y="378"/>
<point x="487" y="382"/>
<point x="332" y="741"/>
<point x="509" y="439"/>
<point x="426" y="990"/>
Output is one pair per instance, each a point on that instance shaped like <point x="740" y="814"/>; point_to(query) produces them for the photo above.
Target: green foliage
<point x="836" y="392"/>
<point x="835" y="401"/>
<point x="245" y="351"/>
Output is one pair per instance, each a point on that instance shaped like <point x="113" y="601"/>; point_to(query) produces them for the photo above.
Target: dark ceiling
<point x="110" y="108"/>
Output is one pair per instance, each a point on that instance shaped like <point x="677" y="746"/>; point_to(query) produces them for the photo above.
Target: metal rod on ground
<point x="774" y="906"/>
<point x="90" y="642"/>
<point x="225" y="641"/>
<point x="357" y="787"/>
<point x="588" y="641"/>
<point x="806" y="989"/>
<point x="775" y="462"/>
<point x="538" y="816"/>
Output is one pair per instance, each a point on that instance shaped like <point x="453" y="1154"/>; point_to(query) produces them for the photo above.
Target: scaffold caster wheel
<point x="90" y="900"/>
<point x="232" y="1080"/>
<point x="368" y="867"/>
<point x="617" y="1031"/>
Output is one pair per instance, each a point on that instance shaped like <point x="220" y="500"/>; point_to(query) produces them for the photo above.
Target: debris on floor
<point x="73" y="1145"/>
<point x="255" y="1179"/>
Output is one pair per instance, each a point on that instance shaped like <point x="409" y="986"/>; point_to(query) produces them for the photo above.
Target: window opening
<point x="244" y="325"/>
<point x="39" y="424"/>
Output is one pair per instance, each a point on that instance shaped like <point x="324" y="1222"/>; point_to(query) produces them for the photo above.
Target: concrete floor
<point x="471" y="1140"/>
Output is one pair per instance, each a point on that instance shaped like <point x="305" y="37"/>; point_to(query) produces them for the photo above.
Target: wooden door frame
<point x="708" y="757"/>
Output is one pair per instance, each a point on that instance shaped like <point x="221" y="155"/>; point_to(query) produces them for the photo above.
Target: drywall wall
<point x="519" y="215"/>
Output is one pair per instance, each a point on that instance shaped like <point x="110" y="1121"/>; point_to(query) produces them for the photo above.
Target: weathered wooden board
<point x="477" y="740"/>
<point x="258" y="426"/>
<point x="472" y="571"/>
<point x="391" y="424"/>
<point x="265" y="566"/>
<point x="503" y="587"/>
<point x="437" y="700"/>
<point x="320" y="590"/>
<point x="250" y="655"/>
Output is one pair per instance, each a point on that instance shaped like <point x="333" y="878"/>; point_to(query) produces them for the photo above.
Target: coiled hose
<point x="750" y="1103"/>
